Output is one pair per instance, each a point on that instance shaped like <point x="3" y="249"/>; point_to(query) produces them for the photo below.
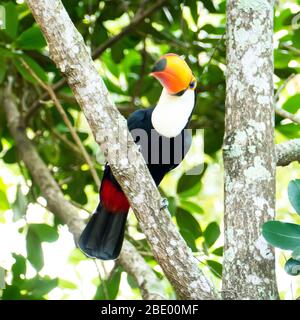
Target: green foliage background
<point x="36" y="251"/>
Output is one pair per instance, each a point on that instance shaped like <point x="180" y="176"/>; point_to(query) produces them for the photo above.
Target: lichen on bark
<point x="249" y="153"/>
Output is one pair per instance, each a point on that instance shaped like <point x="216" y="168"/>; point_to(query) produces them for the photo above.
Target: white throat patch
<point x="172" y="113"/>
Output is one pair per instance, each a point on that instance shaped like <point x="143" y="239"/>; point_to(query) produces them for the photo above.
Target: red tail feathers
<point x="113" y="198"/>
<point x="103" y="236"/>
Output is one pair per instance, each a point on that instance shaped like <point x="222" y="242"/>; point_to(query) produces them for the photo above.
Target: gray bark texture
<point x="68" y="51"/>
<point x="69" y="214"/>
<point x="249" y="151"/>
<point x="287" y="152"/>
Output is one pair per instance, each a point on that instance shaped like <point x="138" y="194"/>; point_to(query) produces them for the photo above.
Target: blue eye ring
<point x="193" y="84"/>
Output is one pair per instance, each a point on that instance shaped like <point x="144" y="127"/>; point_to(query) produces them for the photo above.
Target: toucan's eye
<point x="193" y="85"/>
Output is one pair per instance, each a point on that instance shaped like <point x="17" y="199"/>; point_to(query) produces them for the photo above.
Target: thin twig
<point x="285" y="114"/>
<point x="141" y="16"/>
<point x="281" y="112"/>
<point x="79" y="206"/>
<point x="138" y="18"/>
<point x="291" y="48"/>
<point x="139" y="83"/>
<point x="284" y="84"/>
<point x="62" y="138"/>
<point x="141" y="7"/>
<point x="102" y="282"/>
<point x="172" y="41"/>
<point x="205" y="69"/>
<point x="68" y="123"/>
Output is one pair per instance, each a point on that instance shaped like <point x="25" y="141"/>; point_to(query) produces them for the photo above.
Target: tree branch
<point x="281" y="112"/>
<point x="138" y="18"/>
<point x="70" y="54"/>
<point x="139" y="83"/>
<point x="67" y="122"/>
<point x="63" y="209"/>
<point x="133" y="263"/>
<point x="287" y="152"/>
<point x="285" y="114"/>
<point x="62" y="138"/>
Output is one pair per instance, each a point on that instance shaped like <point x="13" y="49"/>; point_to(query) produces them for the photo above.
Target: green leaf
<point x="292" y="104"/>
<point x="282" y="234"/>
<point x="292" y="267"/>
<point x="209" y="5"/>
<point x="296" y="38"/>
<point x="34" y="250"/>
<point x="37" y="287"/>
<point x="36" y="68"/>
<point x="191" y="207"/>
<point x="296" y="254"/>
<point x="112" y="87"/>
<point x="78" y="179"/>
<point x="189" y="239"/>
<point x="294" y="194"/>
<point x="193" y="5"/>
<point x="112" y="287"/>
<point x="213" y="139"/>
<point x="218" y="252"/>
<point x="66" y="284"/>
<point x="10" y="155"/>
<point x="20" y="205"/>
<point x="109" y="63"/>
<point x="98" y="38"/>
<point x="11" y="20"/>
<point x="6" y="53"/>
<point x="215" y="267"/>
<point x="290" y="130"/>
<point x="280" y="20"/>
<point x="11" y="292"/>
<point x="188" y="226"/>
<point x="132" y="282"/>
<point x="213" y="30"/>
<point x="19" y="267"/>
<point x="2" y="278"/>
<point x="117" y="53"/>
<point x="214" y="74"/>
<point x="187" y="182"/>
<point x="4" y="204"/>
<point x="31" y="39"/>
<point x="76" y="256"/>
<point x="281" y="59"/>
<point x="172" y="205"/>
<point x="211" y="234"/>
<point x="222" y="7"/>
<point x="44" y="232"/>
<point x="3" y="69"/>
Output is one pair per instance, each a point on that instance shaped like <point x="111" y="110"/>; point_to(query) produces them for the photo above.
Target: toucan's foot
<point x="164" y="203"/>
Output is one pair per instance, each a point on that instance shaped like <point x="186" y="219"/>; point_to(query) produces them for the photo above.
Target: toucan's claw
<point x="164" y="204"/>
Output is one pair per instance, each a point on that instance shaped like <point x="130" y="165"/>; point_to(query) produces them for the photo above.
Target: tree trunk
<point x="249" y="151"/>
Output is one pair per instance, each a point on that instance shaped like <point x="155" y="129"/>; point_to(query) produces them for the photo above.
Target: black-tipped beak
<point x="159" y="65"/>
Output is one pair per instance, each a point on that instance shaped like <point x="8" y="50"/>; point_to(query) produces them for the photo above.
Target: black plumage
<point x="103" y="236"/>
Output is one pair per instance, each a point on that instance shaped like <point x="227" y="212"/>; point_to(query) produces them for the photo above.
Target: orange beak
<point x="174" y="74"/>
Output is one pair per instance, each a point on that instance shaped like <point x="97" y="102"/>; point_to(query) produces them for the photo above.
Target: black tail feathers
<point x="103" y="236"/>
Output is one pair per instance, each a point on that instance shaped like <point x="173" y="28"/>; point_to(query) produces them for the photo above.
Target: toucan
<point x="160" y="133"/>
